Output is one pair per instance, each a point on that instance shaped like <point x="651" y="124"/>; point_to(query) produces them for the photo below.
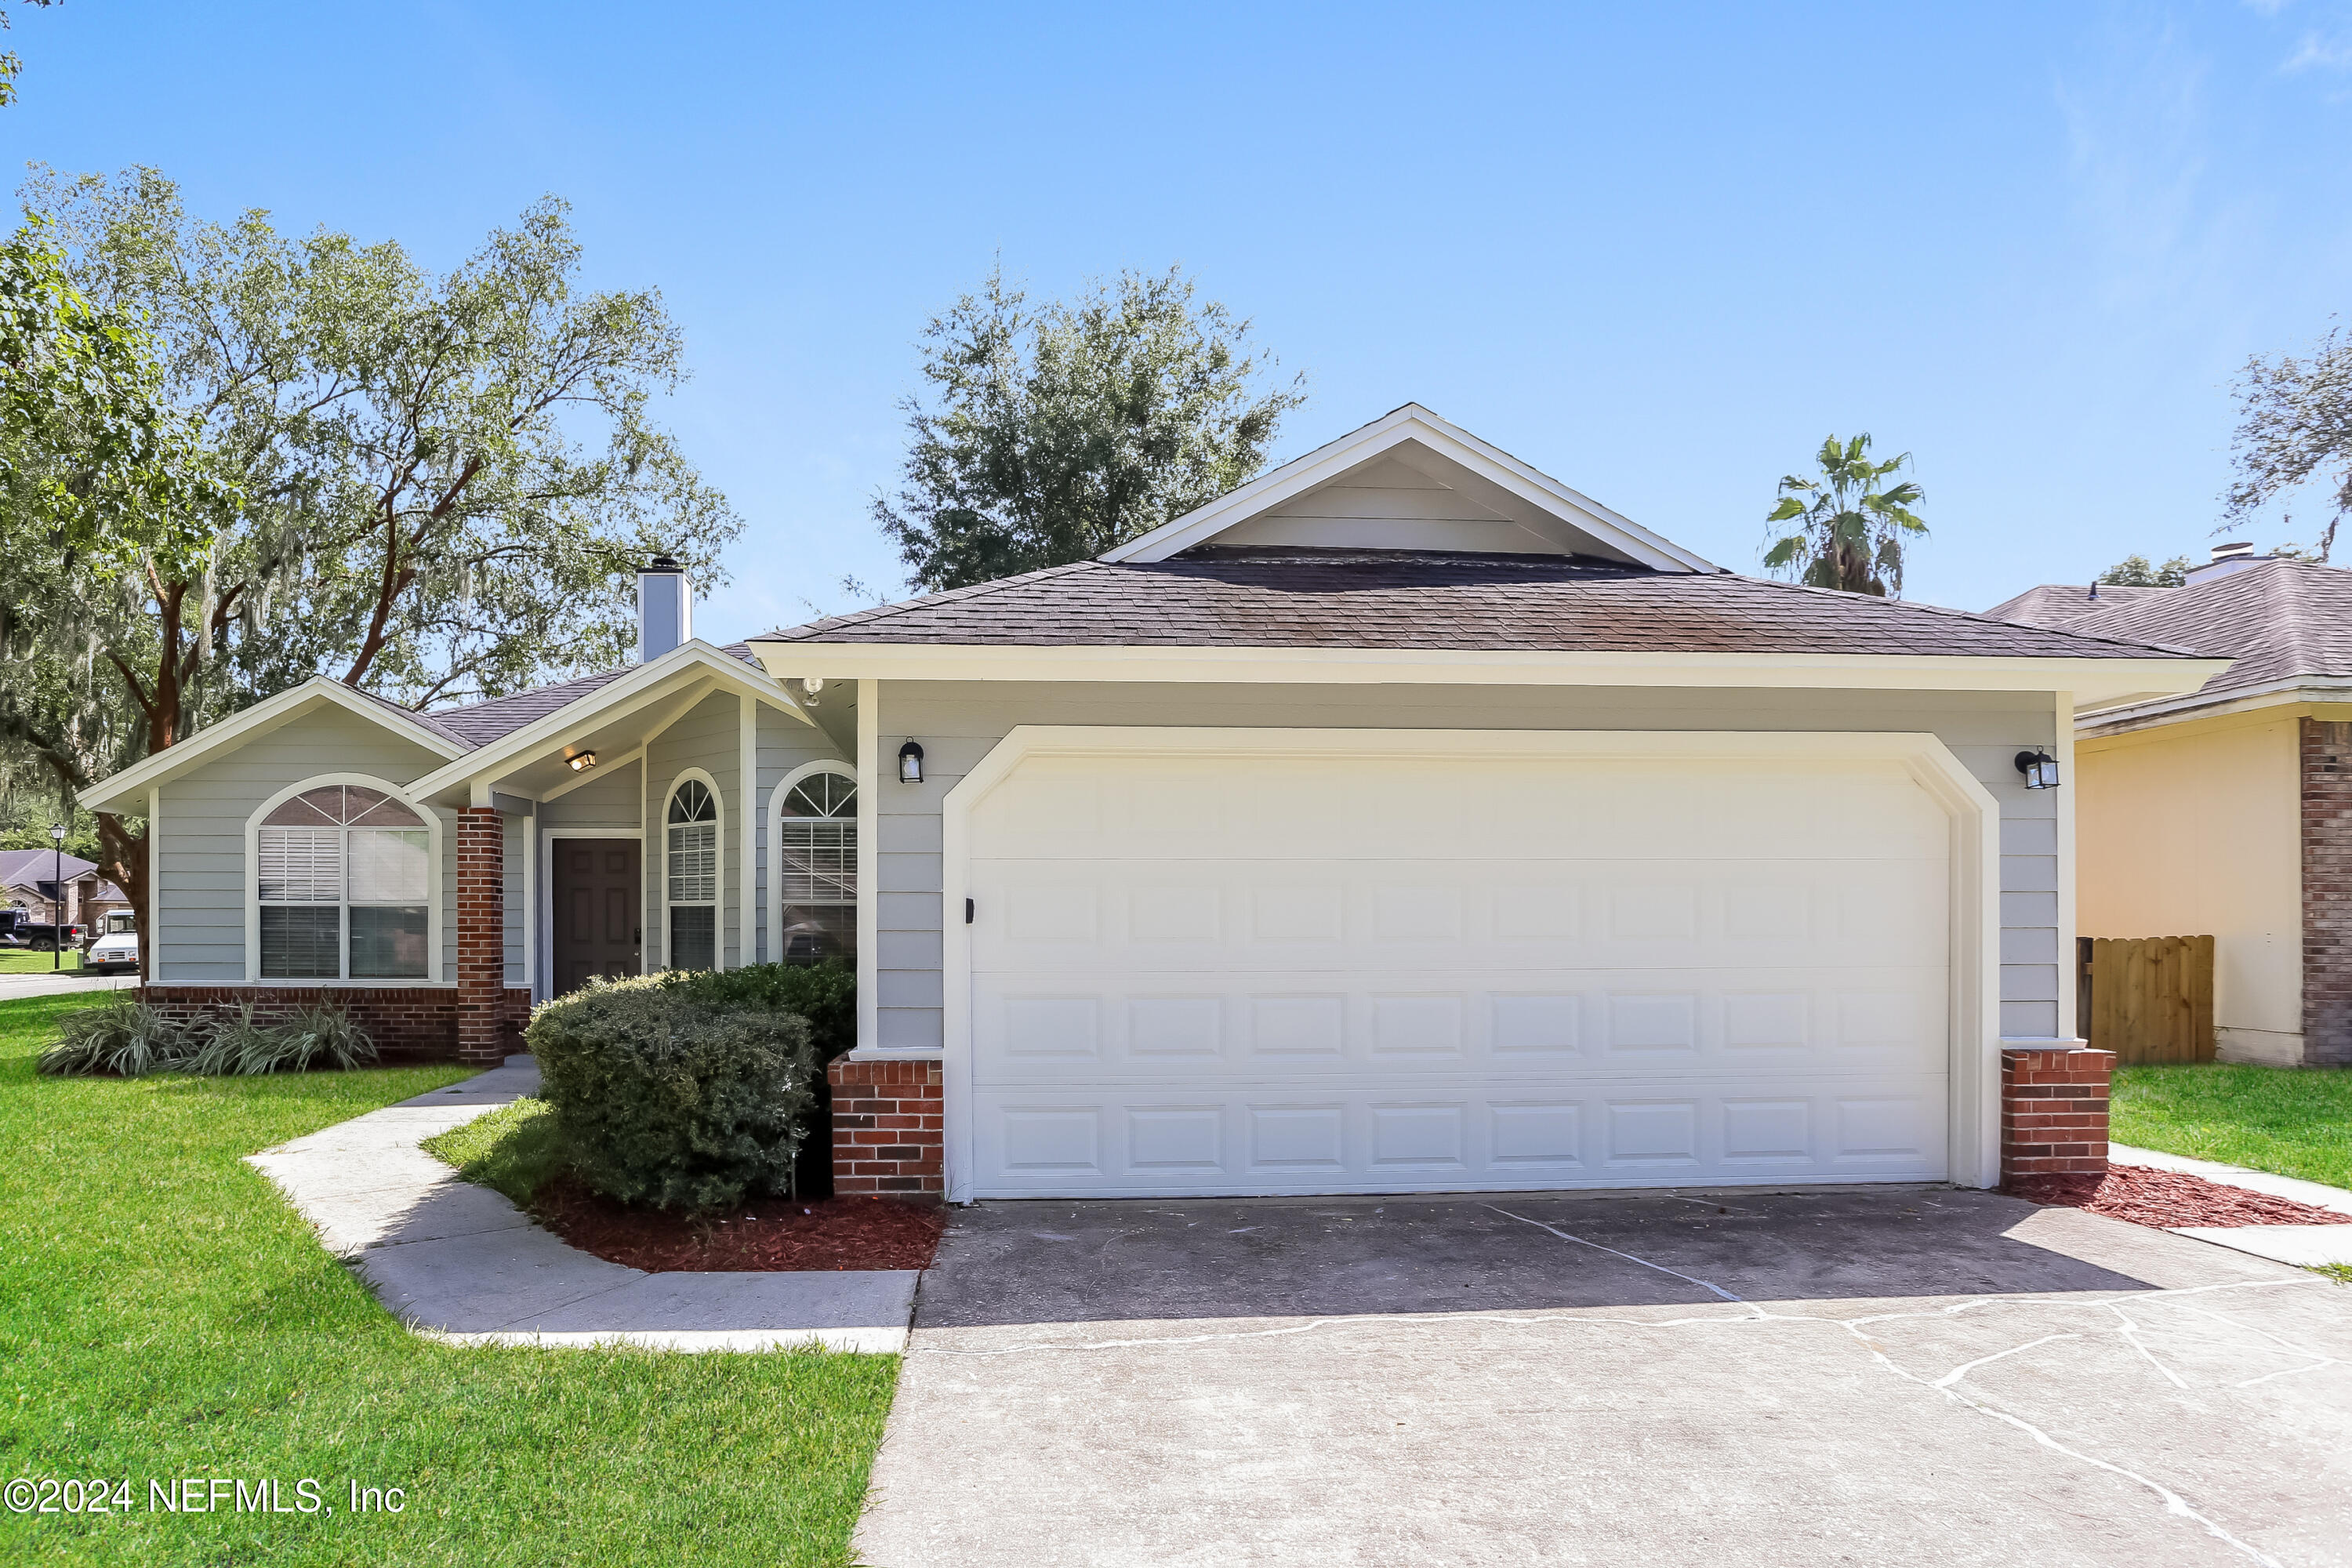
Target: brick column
<point x="2326" y="834"/>
<point x="482" y="1035"/>
<point x="888" y="1128"/>
<point x="2054" y="1111"/>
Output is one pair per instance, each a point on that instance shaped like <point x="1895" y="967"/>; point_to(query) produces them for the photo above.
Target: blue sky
<point x="1656" y="251"/>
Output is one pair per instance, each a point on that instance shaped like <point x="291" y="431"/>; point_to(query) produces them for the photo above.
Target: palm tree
<point x="1849" y="532"/>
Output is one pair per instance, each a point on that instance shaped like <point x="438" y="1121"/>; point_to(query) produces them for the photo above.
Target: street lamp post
<point x="57" y="904"/>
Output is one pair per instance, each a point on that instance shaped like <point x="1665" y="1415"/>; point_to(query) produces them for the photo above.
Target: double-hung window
<point x="816" y="851"/>
<point x="693" y="874"/>
<point x="345" y="887"/>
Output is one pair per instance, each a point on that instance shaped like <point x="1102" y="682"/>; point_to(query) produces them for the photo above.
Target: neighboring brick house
<point x="1403" y="821"/>
<point x="28" y="881"/>
<point x="2227" y="811"/>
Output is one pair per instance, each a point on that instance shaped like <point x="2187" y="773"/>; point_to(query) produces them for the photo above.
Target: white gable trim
<point x="133" y="783"/>
<point x="1410" y="424"/>
<point x="695" y="664"/>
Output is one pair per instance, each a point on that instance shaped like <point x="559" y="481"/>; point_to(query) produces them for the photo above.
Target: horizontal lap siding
<point x="201" y="873"/>
<point x="511" y="899"/>
<point x="959" y="722"/>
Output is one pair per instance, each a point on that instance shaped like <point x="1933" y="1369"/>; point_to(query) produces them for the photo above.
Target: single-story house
<point x="1403" y="821"/>
<point x="2227" y="811"/>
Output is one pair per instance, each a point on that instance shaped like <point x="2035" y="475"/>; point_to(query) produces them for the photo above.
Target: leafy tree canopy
<point x="2294" y="428"/>
<point x="1845" y="526"/>
<point x="1054" y="433"/>
<point x="2134" y="572"/>
<point x="244" y="460"/>
<point x="10" y="65"/>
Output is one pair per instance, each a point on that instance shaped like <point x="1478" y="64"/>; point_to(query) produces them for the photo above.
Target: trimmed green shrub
<point x="824" y="993"/>
<point x="665" y="1097"/>
<point x="122" y="1036"/>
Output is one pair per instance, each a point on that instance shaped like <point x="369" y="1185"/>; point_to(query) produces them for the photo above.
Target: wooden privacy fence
<point x="2148" y="998"/>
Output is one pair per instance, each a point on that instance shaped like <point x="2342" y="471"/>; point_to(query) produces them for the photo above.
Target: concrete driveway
<point x="1864" y="1375"/>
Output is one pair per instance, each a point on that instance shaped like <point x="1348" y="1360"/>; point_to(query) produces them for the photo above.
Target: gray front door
<point x="599" y="905"/>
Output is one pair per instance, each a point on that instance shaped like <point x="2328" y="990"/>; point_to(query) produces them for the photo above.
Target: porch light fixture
<point x="581" y="762"/>
<point x="910" y="762"/>
<point x="2040" y="768"/>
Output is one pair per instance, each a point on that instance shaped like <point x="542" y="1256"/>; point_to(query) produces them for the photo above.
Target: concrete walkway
<point x="2305" y="1246"/>
<point x="460" y="1263"/>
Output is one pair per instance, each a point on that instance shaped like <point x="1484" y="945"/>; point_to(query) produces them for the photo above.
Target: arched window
<point x="344" y="881"/>
<point x="692" y="874"/>
<point x="816" y="865"/>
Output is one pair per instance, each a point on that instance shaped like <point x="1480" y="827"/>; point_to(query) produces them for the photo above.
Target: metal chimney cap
<point x="2229" y="550"/>
<point x="662" y="564"/>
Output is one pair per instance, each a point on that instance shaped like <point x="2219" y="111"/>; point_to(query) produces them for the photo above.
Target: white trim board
<point x="2093" y="681"/>
<point x="684" y="666"/>
<point x="1974" y="1123"/>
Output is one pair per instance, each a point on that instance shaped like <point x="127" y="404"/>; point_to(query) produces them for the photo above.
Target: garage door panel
<point x="1121" y="1024"/>
<point x="1267" y="1138"/>
<point x="1247" y="915"/>
<point x="1256" y="973"/>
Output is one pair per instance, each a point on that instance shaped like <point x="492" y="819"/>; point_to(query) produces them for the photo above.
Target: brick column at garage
<point x="2054" y="1111"/>
<point x="482" y="1007"/>
<point x="2326" y="830"/>
<point x="888" y="1128"/>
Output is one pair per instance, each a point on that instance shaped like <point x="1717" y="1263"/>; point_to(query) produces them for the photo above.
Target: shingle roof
<point x="477" y="724"/>
<point x="23" y="868"/>
<point x="2281" y="620"/>
<point x="1265" y="596"/>
<point x="2065" y="606"/>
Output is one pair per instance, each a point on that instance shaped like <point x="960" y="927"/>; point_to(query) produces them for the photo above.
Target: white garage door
<point x="1415" y="972"/>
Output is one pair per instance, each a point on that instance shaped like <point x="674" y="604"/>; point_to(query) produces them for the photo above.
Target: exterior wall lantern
<point x="910" y="762"/>
<point x="2040" y="768"/>
<point x="581" y="762"/>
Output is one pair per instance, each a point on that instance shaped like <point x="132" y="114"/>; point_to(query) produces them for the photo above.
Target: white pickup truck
<point x="117" y="947"/>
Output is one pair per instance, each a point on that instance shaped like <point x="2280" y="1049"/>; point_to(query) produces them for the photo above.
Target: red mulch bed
<point x="773" y="1234"/>
<point x="2167" y="1198"/>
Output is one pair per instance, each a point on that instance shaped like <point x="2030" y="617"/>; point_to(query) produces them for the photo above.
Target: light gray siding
<point x="513" y="870"/>
<point x="708" y="736"/>
<point x="958" y="722"/>
<point x="201" y="870"/>
<point x="610" y="798"/>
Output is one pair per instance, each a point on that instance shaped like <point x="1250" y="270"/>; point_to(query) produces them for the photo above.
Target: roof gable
<point x="1411" y="481"/>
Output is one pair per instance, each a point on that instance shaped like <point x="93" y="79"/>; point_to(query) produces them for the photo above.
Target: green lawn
<point x="2292" y="1121"/>
<point x="23" y="960"/>
<point x="163" y="1314"/>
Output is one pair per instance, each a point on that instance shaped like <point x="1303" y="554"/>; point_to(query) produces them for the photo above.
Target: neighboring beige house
<point x="2228" y="812"/>
<point x="1403" y="821"/>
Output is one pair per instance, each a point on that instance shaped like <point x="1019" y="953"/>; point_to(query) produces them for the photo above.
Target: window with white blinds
<point x="816" y="867"/>
<point x="345" y="883"/>
<point x="690" y="873"/>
